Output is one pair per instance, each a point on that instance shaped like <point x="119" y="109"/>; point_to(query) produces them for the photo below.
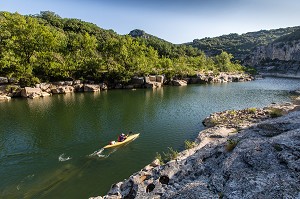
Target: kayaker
<point x="121" y="137"/>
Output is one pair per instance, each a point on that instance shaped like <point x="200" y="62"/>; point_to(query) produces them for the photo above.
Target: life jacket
<point x="121" y="138"/>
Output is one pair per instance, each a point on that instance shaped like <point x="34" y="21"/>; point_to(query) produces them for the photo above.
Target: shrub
<point x="275" y="112"/>
<point x="232" y="112"/>
<point x="171" y="154"/>
<point x="231" y="144"/>
<point x="189" y="144"/>
<point x="158" y="156"/>
<point x="28" y="80"/>
<point x="252" y="110"/>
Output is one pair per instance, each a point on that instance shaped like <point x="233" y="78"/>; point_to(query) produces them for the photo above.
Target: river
<point x="46" y="144"/>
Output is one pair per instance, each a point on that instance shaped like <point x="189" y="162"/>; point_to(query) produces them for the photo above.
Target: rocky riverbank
<point x="250" y="153"/>
<point x="8" y="91"/>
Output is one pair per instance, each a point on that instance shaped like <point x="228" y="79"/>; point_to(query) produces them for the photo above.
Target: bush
<point x="275" y="112"/>
<point x="189" y="144"/>
<point x="159" y="157"/>
<point x="232" y="112"/>
<point x="28" y="81"/>
<point x="252" y="110"/>
<point x="231" y="144"/>
<point x="170" y="155"/>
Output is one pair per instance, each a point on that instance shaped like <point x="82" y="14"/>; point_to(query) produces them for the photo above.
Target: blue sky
<point x="177" y="21"/>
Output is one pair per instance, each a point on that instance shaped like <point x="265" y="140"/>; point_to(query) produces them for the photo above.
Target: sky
<point x="177" y="21"/>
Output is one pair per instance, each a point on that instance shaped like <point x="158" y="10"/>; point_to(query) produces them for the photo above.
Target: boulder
<point x="28" y="91"/>
<point x="3" y="80"/>
<point x="45" y="94"/>
<point x="4" y="98"/>
<point x="147" y="79"/>
<point x="43" y="86"/>
<point x="68" y="83"/>
<point x="78" y="88"/>
<point x="77" y="82"/>
<point x="62" y="89"/>
<point x="153" y="85"/>
<point x="34" y="95"/>
<point x="152" y="78"/>
<point x="60" y="83"/>
<point x="91" y="88"/>
<point x="103" y="86"/>
<point x="160" y="79"/>
<point x="179" y="82"/>
<point x="138" y="80"/>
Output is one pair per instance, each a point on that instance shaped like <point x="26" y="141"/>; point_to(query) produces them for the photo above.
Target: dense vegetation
<point x="46" y="47"/>
<point x="165" y="48"/>
<point x="240" y="46"/>
<point x="290" y="37"/>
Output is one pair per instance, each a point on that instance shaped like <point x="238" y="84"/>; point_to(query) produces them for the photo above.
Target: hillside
<point x="240" y="46"/>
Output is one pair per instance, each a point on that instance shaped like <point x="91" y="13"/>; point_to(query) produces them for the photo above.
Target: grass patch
<point x="231" y="144"/>
<point x="275" y="112"/>
<point x="189" y="144"/>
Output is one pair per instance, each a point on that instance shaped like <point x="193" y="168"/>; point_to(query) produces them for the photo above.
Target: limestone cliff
<point x="278" y="59"/>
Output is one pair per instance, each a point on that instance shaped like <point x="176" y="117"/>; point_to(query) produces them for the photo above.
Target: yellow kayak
<point x="128" y="139"/>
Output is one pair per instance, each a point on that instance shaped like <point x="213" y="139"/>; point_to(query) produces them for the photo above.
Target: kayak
<point x="128" y="139"/>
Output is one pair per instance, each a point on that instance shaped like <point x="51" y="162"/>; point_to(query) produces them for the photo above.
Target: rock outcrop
<point x="277" y="59"/>
<point x="178" y="83"/>
<point x="62" y="89"/>
<point x="260" y="160"/>
<point x="31" y="92"/>
<point x="91" y="88"/>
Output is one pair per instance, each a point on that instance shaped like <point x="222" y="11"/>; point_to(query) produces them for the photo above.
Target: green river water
<point x="46" y="144"/>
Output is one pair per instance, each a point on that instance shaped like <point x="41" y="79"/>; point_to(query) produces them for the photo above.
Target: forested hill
<point x="163" y="47"/>
<point x="46" y="47"/>
<point x="240" y="46"/>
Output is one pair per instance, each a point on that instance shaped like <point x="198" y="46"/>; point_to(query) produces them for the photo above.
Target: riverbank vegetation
<point x="46" y="47"/>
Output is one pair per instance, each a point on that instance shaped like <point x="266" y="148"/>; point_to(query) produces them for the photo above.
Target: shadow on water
<point x="47" y="182"/>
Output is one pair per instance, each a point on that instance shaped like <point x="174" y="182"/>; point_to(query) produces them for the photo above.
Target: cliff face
<point x="283" y="51"/>
<point x="277" y="59"/>
<point x="259" y="160"/>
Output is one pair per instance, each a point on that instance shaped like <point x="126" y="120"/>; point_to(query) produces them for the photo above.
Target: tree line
<point x="46" y="47"/>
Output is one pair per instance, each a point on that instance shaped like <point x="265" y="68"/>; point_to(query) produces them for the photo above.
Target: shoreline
<point x="202" y="171"/>
<point x="8" y="91"/>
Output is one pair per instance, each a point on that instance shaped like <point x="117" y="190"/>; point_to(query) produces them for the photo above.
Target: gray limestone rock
<point x="260" y="165"/>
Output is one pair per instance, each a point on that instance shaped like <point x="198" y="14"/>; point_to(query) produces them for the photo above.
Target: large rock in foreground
<point x="261" y="161"/>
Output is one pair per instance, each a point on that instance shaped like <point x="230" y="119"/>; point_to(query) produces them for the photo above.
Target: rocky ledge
<point x="8" y="91"/>
<point x="251" y="153"/>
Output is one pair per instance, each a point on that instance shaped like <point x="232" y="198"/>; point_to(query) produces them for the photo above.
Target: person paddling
<point x="121" y="137"/>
